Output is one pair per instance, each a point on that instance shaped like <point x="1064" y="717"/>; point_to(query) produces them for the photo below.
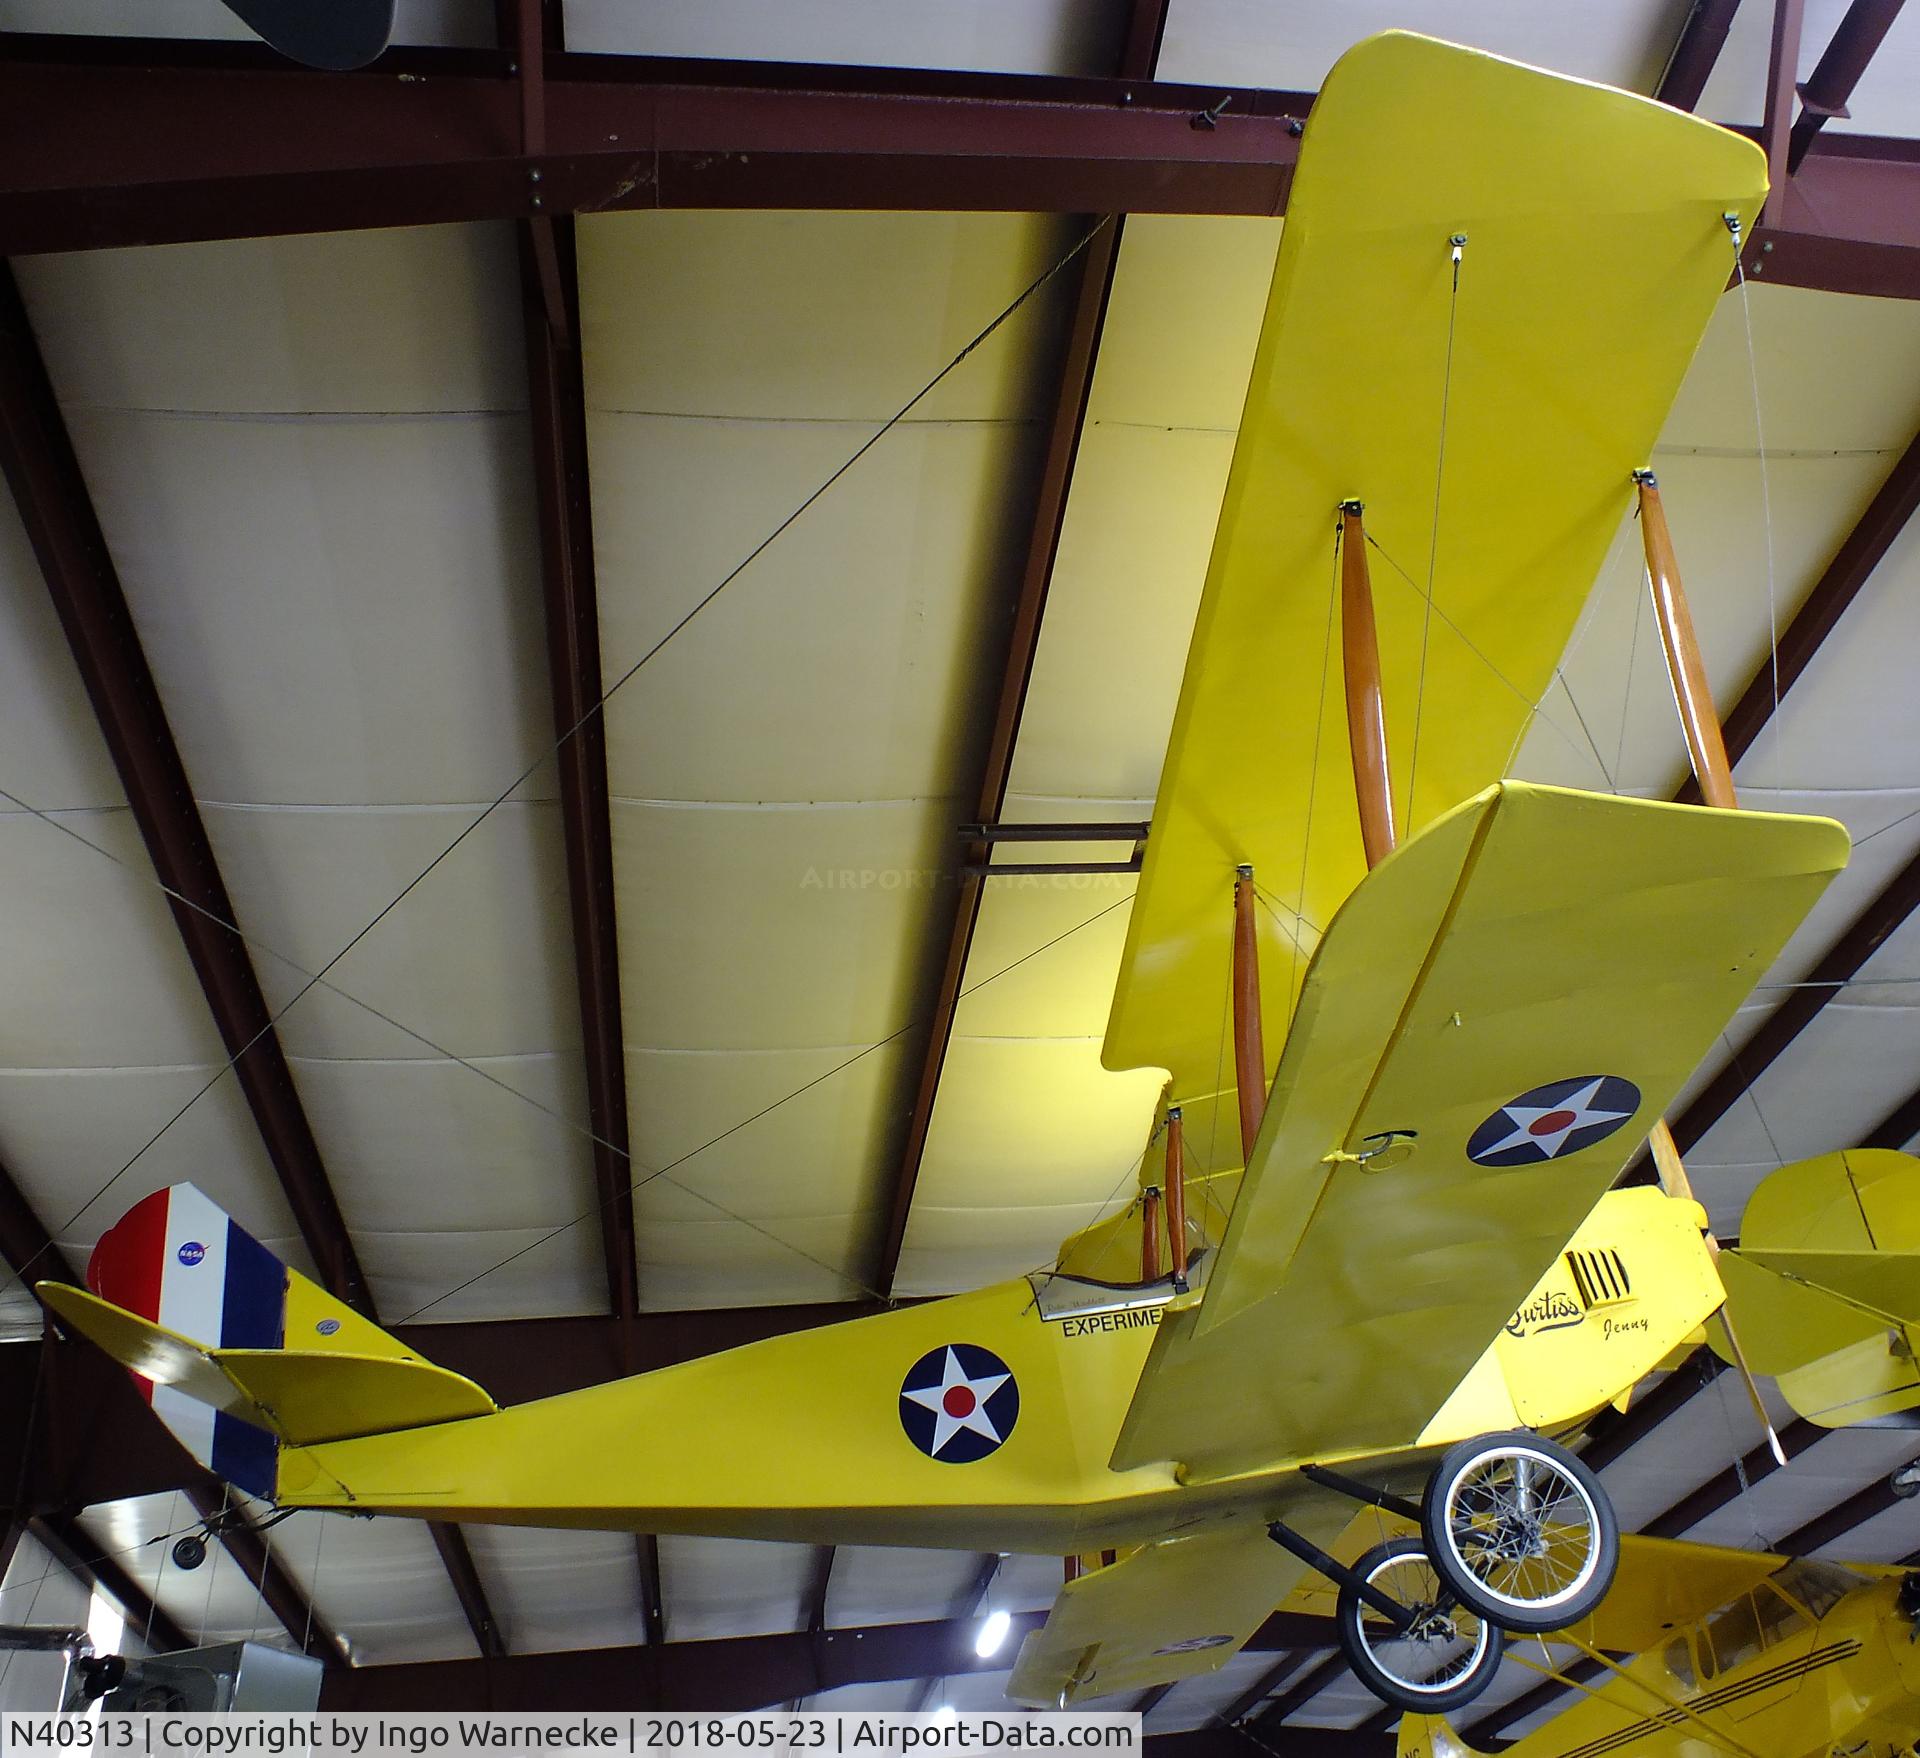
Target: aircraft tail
<point x="1824" y="1286"/>
<point x="238" y="1354"/>
<point x="1429" y="1736"/>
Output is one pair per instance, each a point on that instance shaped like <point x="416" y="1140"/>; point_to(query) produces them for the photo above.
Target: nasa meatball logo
<point x="959" y="1403"/>
<point x="191" y="1253"/>
<point x="1560" y="1118"/>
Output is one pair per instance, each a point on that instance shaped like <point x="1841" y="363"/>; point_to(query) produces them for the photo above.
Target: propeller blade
<point x="335" y="34"/>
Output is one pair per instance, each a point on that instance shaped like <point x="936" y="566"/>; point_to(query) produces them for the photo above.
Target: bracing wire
<point x="1019" y="300"/>
<point x="1458" y="243"/>
<point x="1536" y="707"/>
<point x="645" y="1179"/>
<point x="1766" y="492"/>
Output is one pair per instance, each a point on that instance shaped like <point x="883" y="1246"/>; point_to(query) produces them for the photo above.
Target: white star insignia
<point x="1547" y="1127"/>
<point x="958" y="1402"/>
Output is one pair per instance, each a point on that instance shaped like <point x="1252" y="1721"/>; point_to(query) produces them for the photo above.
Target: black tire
<point x="1446" y="1662"/>
<point x="1495" y="1543"/>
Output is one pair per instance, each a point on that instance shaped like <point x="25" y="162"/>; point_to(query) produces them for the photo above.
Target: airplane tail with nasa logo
<point x="238" y="1354"/>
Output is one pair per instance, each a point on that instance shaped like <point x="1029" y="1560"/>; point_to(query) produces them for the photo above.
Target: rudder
<point x="240" y="1355"/>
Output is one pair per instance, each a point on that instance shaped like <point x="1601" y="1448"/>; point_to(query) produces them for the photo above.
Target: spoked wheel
<point x="1520" y="1530"/>
<point x="1446" y="1658"/>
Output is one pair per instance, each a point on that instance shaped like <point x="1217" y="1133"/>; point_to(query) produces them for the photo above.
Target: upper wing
<point x="1559" y="383"/>
<point x="1168" y="1611"/>
<point x="1534" y="936"/>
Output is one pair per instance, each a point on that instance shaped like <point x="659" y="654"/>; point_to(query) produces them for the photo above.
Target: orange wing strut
<point x="1176" y="1181"/>
<point x="1366" y="715"/>
<point x="1692" y="695"/>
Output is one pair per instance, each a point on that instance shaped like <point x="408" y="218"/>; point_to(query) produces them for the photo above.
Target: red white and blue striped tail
<point x="179" y="1261"/>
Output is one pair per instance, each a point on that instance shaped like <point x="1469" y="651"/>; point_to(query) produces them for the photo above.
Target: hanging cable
<point x="1457" y="244"/>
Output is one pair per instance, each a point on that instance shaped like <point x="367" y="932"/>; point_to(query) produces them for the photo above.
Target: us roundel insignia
<point x="1559" y="1118"/>
<point x="959" y="1403"/>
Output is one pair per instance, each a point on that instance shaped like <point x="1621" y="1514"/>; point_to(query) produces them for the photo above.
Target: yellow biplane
<point x="1739" y="1655"/>
<point x="1409" y="1273"/>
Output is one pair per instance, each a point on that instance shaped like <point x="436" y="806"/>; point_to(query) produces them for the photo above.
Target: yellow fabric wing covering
<point x="304" y="1396"/>
<point x="1168" y="1611"/>
<point x="1531" y="936"/>
<point x="1595" y="250"/>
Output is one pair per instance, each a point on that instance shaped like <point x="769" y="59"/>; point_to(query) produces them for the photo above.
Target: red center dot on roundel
<point x="959" y="1401"/>
<point x="1552" y="1123"/>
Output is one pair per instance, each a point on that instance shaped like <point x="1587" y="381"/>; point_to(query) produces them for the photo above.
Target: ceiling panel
<point x="560" y="1590"/>
<point x="873" y="1584"/>
<point x="1245" y="42"/>
<point x="732" y="1586"/>
<point x="378" y="1582"/>
<point x="1013" y="36"/>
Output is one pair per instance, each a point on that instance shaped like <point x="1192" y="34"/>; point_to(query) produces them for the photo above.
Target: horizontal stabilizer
<point x="1824" y="1287"/>
<point x="301" y="1396"/>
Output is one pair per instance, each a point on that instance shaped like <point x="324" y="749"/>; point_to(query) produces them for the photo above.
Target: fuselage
<point x="987" y="1420"/>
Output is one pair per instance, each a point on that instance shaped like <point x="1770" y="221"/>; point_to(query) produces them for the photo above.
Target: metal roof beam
<point x="120" y="141"/>
<point x="252" y="1552"/>
<point x="25" y="1246"/>
<point x="1870" y="931"/>
<point x="1701" y="39"/>
<point x="1735" y="1480"/>
<point x="1290" y="1661"/>
<point x="1645" y="1414"/>
<point x="1308" y="1686"/>
<point x="1531" y="1701"/>
<point x="1827" y="89"/>
<point x="117" y="141"/>
<point x="74" y="1551"/>
<point x="1848" y="221"/>
<point x="58" y="513"/>
<point x="1074" y="386"/>
<point x="1853" y="563"/>
<point x="1824" y="1529"/>
<point x="451" y="1542"/>
<point x="573" y="662"/>
<point x="1899" y="1126"/>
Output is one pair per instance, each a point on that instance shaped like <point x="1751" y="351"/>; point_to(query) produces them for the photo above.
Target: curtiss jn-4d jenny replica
<point x="1410" y="1272"/>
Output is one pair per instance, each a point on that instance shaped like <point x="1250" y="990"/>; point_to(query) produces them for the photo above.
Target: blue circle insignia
<point x="1549" y="1122"/>
<point x="959" y="1403"/>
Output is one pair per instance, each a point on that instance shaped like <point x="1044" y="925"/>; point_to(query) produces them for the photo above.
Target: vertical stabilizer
<point x="178" y="1260"/>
